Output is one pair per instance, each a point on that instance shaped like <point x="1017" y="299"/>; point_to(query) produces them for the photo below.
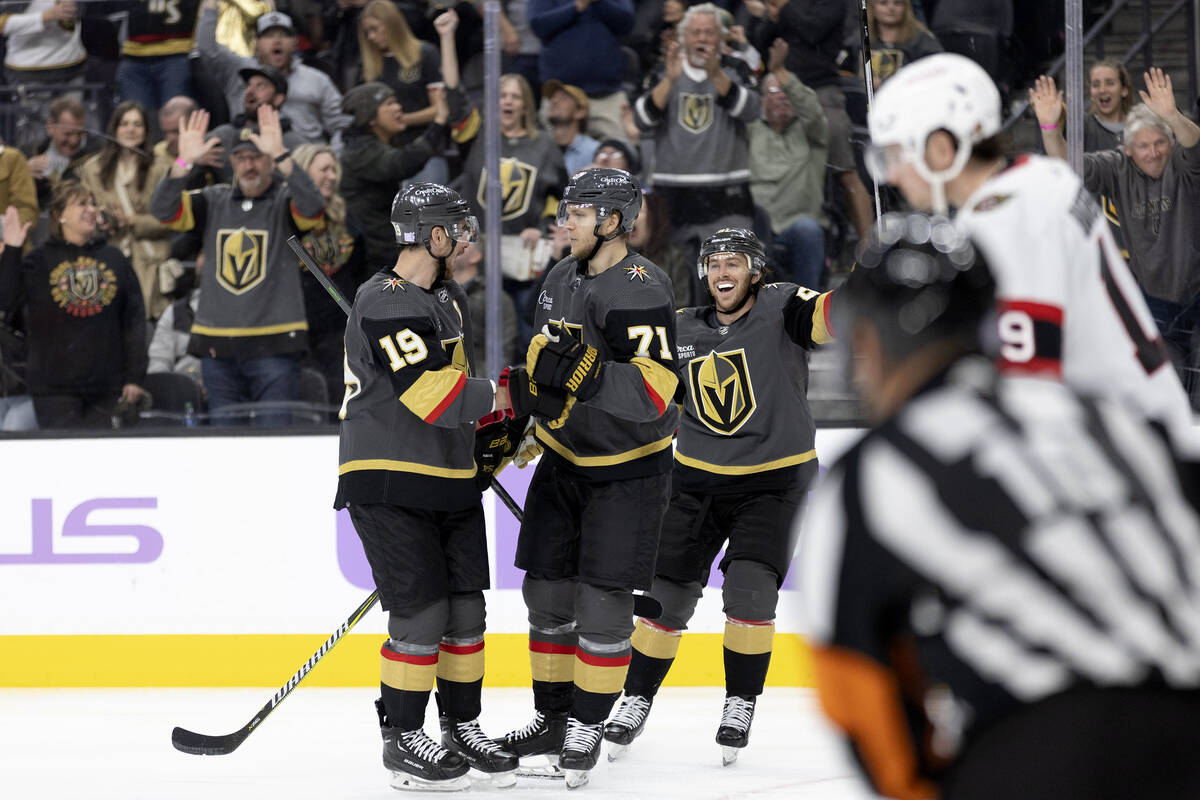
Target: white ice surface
<point x="324" y="744"/>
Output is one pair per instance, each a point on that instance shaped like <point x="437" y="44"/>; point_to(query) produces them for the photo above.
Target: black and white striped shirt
<point x="987" y="547"/>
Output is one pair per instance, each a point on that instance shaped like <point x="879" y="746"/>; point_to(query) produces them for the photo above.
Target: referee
<point x="1002" y="578"/>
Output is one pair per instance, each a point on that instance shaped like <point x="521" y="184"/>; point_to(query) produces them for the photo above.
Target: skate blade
<point x="616" y="751"/>
<point x="492" y="780"/>
<point x="544" y="767"/>
<point x="411" y="783"/>
<point x="576" y="777"/>
<point x="729" y="755"/>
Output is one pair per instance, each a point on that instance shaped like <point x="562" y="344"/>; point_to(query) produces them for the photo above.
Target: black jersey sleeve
<point x="806" y="318"/>
<point x="424" y="376"/>
<point x="640" y="380"/>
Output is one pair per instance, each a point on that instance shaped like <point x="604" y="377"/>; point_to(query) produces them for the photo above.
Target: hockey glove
<point x="497" y="441"/>
<point x="558" y="360"/>
<point x="528" y="449"/>
<point x="527" y="397"/>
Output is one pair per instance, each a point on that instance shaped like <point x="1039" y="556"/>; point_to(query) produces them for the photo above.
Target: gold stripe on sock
<point x="749" y="638"/>
<point x="653" y="641"/>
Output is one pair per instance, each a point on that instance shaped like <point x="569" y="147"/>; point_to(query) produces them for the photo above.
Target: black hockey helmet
<point x="732" y="240"/>
<point x="921" y="279"/>
<point x="608" y="190"/>
<point x="421" y="207"/>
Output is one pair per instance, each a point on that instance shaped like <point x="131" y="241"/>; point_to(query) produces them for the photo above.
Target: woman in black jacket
<point x="84" y="314"/>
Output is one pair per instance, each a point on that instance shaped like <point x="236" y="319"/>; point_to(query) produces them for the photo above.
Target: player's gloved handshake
<point x="559" y="360"/>
<point x="527" y="397"/>
<point x="497" y="441"/>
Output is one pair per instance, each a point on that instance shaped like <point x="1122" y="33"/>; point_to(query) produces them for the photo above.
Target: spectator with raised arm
<point x="374" y="168"/>
<point x="250" y="328"/>
<point x="787" y="167"/>
<point x="265" y="85"/>
<point x="581" y="46"/>
<point x="85" y="325"/>
<point x="1154" y="182"/>
<point x="43" y="44"/>
<point x="697" y="109"/>
<point x="313" y="103"/>
<point x="813" y="32"/>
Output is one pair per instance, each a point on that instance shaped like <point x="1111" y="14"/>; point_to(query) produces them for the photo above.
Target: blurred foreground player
<point x="1069" y="307"/>
<point x="1002" y="577"/>
<point x="743" y="461"/>
<point x="407" y="476"/>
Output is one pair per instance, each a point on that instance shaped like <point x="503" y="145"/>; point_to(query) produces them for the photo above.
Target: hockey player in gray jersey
<point x="407" y="476"/>
<point x="743" y="461"/>
<point x="596" y="501"/>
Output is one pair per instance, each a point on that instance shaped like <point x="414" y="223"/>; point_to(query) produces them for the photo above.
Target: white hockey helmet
<point x="943" y="91"/>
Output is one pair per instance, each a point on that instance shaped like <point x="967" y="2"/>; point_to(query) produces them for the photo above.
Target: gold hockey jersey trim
<point x="748" y="469"/>
<point x="545" y="438"/>
<point x="405" y="466"/>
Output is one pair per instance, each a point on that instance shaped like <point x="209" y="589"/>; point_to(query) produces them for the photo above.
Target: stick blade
<point x="199" y="744"/>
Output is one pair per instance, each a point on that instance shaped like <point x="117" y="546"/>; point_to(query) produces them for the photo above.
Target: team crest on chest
<point x="517" y="180"/>
<point x="83" y="287"/>
<point x="695" y="111"/>
<point x="241" y="259"/>
<point x="456" y="353"/>
<point x="722" y="394"/>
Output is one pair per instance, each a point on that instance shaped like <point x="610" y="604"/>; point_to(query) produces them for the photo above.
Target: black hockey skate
<point x="627" y="724"/>
<point x="734" y="733"/>
<point x="418" y="763"/>
<point x="489" y="763"/>
<point x="581" y="751"/>
<point x="538" y="744"/>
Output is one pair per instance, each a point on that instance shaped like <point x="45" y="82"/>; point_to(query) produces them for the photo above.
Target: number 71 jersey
<point x="1068" y="306"/>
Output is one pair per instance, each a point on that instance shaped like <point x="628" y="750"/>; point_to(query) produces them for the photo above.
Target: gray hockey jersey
<point x="626" y="312"/>
<point x="408" y="417"/>
<point x="746" y="423"/>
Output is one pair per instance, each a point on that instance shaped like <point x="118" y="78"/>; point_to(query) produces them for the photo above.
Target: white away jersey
<point x="1069" y="308"/>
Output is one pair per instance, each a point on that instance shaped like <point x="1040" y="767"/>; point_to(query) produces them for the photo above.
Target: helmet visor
<point x="465" y="229"/>
<point x="881" y="160"/>
<point x="565" y="209"/>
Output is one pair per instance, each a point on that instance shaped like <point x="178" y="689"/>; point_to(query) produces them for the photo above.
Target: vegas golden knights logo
<point x="242" y="259"/>
<point x="721" y="390"/>
<point x="457" y="353"/>
<point x="517" y="181"/>
<point x="695" y="111"/>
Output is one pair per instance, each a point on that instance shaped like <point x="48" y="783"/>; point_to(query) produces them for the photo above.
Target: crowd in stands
<point x="224" y="127"/>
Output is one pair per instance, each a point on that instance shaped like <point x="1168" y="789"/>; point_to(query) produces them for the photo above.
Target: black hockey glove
<point x="558" y="359"/>
<point x="497" y="439"/>
<point x="528" y="397"/>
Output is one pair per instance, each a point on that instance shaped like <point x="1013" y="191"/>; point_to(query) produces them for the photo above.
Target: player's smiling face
<point x="729" y="279"/>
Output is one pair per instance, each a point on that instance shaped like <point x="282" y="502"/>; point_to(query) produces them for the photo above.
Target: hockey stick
<point x="869" y="80"/>
<point x="200" y="744"/>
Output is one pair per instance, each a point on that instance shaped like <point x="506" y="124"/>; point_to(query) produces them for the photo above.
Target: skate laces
<point x="472" y="736"/>
<point x="582" y="737"/>
<point x="422" y="746"/>
<point x="530" y="730"/>
<point x="633" y="711"/>
<point x="738" y="713"/>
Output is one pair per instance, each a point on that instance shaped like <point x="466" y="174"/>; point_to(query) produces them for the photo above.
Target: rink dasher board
<point x="219" y="561"/>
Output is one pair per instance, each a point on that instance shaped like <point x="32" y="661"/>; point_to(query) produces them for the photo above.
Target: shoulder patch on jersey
<point x="770" y="286"/>
<point x="636" y="271"/>
<point x="394" y="284"/>
<point x="991" y="202"/>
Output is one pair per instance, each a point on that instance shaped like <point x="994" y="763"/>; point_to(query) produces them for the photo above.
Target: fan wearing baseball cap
<point x="312" y="103"/>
